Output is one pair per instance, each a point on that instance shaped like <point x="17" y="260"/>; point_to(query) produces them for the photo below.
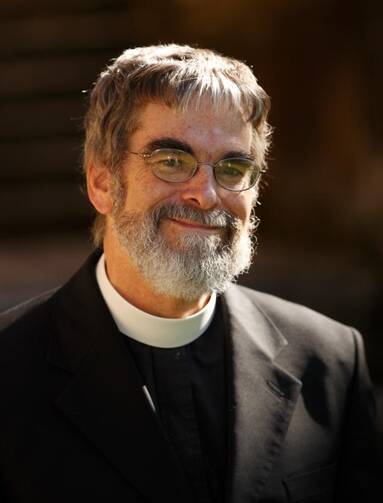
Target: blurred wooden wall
<point x="49" y="53"/>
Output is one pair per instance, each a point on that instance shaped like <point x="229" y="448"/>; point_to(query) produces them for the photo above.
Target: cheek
<point x="240" y="205"/>
<point x="146" y="192"/>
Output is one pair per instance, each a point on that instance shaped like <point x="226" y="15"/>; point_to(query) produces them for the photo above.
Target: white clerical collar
<point x="147" y="328"/>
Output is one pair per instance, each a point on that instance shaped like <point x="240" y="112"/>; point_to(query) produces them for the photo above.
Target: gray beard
<point x="192" y="264"/>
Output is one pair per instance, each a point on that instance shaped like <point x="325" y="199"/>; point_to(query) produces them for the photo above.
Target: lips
<point x="186" y="218"/>
<point x="192" y="224"/>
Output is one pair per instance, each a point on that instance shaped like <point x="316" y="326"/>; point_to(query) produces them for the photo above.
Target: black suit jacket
<point x="75" y="424"/>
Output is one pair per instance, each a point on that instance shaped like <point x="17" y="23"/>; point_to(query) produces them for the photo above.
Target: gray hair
<point x="177" y="75"/>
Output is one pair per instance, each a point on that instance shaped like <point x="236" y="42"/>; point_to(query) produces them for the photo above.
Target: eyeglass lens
<point x="178" y="166"/>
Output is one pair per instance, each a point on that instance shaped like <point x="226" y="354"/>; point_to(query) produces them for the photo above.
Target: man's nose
<point x="201" y="189"/>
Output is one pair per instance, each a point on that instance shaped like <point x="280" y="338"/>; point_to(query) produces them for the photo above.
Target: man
<point x="149" y="376"/>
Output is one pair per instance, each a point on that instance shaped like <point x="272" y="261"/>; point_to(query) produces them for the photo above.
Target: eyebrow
<point x="238" y="153"/>
<point x="170" y="142"/>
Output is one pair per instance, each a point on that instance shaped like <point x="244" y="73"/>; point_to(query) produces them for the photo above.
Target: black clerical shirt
<point x="187" y="386"/>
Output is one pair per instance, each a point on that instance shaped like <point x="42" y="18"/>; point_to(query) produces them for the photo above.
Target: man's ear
<point x="99" y="186"/>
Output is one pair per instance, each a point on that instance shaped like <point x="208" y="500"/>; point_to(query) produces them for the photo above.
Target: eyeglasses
<point x="176" y="166"/>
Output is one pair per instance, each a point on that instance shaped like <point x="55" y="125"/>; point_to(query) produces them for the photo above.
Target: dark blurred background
<point x="321" y="239"/>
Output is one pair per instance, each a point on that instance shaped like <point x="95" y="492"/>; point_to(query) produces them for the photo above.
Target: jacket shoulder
<point x="291" y="313"/>
<point x="305" y="329"/>
<point x="8" y="317"/>
<point x="25" y="337"/>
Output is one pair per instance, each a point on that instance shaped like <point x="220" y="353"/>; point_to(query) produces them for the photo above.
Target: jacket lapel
<point x="104" y="397"/>
<point x="264" y="396"/>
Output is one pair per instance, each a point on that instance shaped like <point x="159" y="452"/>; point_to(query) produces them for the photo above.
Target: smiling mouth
<point x="192" y="224"/>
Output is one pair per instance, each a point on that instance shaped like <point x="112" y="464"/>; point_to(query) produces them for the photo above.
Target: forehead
<point x="204" y="127"/>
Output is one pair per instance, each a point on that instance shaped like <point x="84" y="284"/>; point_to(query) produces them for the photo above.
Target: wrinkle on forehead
<point x="199" y="105"/>
<point x="203" y="127"/>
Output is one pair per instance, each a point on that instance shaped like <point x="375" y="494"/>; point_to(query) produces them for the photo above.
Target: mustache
<point x="213" y="218"/>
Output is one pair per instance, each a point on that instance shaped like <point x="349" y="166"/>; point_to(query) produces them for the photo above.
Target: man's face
<point x="192" y="229"/>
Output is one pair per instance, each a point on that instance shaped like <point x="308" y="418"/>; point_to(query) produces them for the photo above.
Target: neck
<point x="129" y="283"/>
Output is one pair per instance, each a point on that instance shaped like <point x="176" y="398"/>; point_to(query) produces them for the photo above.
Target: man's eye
<point x="171" y="162"/>
<point x="168" y="162"/>
<point x="231" y="171"/>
